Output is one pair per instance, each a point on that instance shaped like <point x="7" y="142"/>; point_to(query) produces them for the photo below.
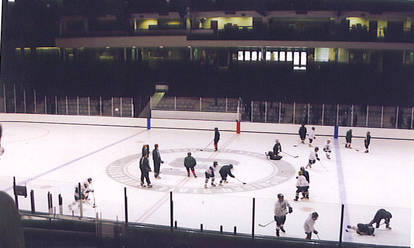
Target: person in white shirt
<point x="328" y="149"/>
<point x="310" y="225"/>
<point x="311" y="136"/>
<point x="313" y="156"/>
<point x="301" y="186"/>
<point x="282" y="208"/>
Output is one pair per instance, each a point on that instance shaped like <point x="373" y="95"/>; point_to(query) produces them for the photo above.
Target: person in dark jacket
<point x="277" y="148"/>
<point x="224" y="172"/>
<point x="367" y="141"/>
<point x="145" y="169"/>
<point x="348" y="138"/>
<point x="157" y="161"/>
<point x="362" y="229"/>
<point x="190" y="163"/>
<point x="145" y="150"/>
<point x="216" y="138"/>
<point x="302" y="133"/>
<point x="379" y="215"/>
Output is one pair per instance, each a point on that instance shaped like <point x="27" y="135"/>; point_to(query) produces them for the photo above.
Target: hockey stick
<point x="317" y="235"/>
<point x="291" y="155"/>
<point x="201" y="149"/>
<point x="265" y="225"/>
<point x="240" y="181"/>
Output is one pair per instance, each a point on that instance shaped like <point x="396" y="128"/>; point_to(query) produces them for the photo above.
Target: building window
<point x="247" y="55"/>
<point x="268" y="56"/>
<point x="289" y="56"/>
<point x="240" y="56"/>
<point x="275" y="56"/>
<point x="296" y="59"/>
<point x="281" y="56"/>
<point x="254" y="56"/>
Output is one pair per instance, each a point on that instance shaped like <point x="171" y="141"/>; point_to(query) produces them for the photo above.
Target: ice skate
<point x="213" y="185"/>
<point x="143" y="185"/>
<point x="282" y="229"/>
<point x="149" y="185"/>
<point x="205" y="186"/>
<point x="277" y="233"/>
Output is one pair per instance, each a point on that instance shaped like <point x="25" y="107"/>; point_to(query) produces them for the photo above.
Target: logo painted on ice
<point x="125" y="170"/>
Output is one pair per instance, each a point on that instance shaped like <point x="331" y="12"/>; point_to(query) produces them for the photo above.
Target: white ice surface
<point x="55" y="157"/>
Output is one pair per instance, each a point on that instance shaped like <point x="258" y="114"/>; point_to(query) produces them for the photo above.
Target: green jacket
<point x="189" y="162"/>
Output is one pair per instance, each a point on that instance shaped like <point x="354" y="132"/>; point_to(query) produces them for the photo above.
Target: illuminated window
<point x="296" y="58"/>
<point x="289" y="56"/>
<point x="254" y="56"/>
<point x="303" y="56"/>
<point x="282" y="56"/>
<point x="275" y="56"/>
<point x="247" y="55"/>
<point x="260" y="56"/>
<point x="240" y="56"/>
<point x="268" y="56"/>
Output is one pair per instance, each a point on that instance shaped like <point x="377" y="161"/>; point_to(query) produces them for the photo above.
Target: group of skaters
<point x="83" y="194"/>
<point x="189" y="164"/>
<point x="282" y="208"/>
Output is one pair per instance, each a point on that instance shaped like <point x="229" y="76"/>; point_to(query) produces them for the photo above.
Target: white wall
<point x="194" y="115"/>
<point x="204" y="125"/>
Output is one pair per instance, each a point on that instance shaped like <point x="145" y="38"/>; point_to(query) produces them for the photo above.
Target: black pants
<point x="280" y="220"/>
<point x="366" y="145"/>
<point x="223" y="177"/>
<point x="146" y="176"/>
<point x="156" y="169"/>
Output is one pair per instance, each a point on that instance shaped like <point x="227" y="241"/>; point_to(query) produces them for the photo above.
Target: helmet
<point x="189" y="153"/>
<point x="215" y="163"/>
<point x="316" y="149"/>
<point x="315" y="215"/>
<point x="280" y="195"/>
<point x="231" y="166"/>
<point x="302" y="168"/>
<point x="89" y="180"/>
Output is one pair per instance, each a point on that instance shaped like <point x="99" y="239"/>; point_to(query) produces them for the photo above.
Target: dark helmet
<point x="231" y="166"/>
<point x="215" y="163"/>
<point x="189" y="154"/>
<point x="315" y="215"/>
<point x="280" y="195"/>
<point x="316" y="149"/>
<point x="89" y="180"/>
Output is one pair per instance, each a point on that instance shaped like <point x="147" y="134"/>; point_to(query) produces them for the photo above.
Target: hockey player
<point x="311" y="136"/>
<point x="282" y="208"/>
<point x="309" y="225"/>
<point x="157" y="161"/>
<point x="83" y="195"/>
<point x="277" y="148"/>
<point x="145" y="169"/>
<point x="302" y="185"/>
<point x="348" y="138"/>
<point x="145" y="149"/>
<point x="361" y="229"/>
<point x="224" y="172"/>
<point x="367" y="141"/>
<point x="210" y="174"/>
<point x="328" y="149"/>
<point x="190" y="163"/>
<point x="216" y="138"/>
<point x="313" y="156"/>
<point x="302" y="133"/>
<point x="379" y="215"/>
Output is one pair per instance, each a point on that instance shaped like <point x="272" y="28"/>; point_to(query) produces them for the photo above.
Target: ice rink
<point x="55" y="157"/>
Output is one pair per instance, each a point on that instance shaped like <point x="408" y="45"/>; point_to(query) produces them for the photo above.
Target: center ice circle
<point x="253" y="168"/>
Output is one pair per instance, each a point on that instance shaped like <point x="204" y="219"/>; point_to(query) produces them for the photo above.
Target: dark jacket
<point x="348" y="136"/>
<point x="365" y="229"/>
<point x="277" y="148"/>
<point x="189" y="162"/>
<point x="144" y="165"/>
<point x="216" y="136"/>
<point x="225" y="170"/>
<point x="367" y="140"/>
<point x="382" y="214"/>
<point x="156" y="156"/>
<point x="302" y="132"/>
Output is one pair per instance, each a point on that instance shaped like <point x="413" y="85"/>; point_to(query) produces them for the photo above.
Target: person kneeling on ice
<point x="277" y="148"/>
<point x="379" y="215"/>
<point x="145" y="170"/>
<point x="190" y="163"/>
<point x="83" y="195"/>
<point x="309" y="225"/>
<point x="313" y="156"/>
<point x="282" y="208"/>
<point x="328" y="149"/>
<point x="361" y="229"/>
<point x="210" y="174"/>
<point x="224" y="172"/>
<point x="302" y="186"/>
